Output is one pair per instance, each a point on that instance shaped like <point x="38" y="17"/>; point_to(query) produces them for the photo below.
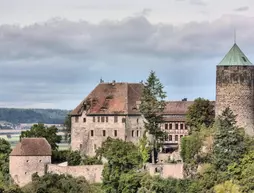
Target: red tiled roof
<point x="111" y="98"/>
<point x="177" y="107"/>
<point x="32" y="147"/>
<point x="174" y="119"/>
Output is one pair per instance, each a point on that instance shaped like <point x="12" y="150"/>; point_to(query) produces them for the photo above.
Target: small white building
<point x="31" y="155"/>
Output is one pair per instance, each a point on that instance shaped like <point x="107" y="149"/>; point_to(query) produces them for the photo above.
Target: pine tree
<point x="152" y="106"/>
<point x="229" y="143"/>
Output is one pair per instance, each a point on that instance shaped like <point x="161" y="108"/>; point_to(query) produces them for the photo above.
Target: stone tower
<point x="235" y="88"/>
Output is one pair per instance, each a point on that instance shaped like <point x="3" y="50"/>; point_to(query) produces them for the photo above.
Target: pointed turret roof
<point x="235" y="56"/>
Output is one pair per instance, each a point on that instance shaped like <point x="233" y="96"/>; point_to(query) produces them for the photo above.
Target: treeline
<point x="49" y="116"/>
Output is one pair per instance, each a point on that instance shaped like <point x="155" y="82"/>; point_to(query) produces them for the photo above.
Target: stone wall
<point x="22" y="167"/>
<point x="126" y="128"/>
<point x="235" y="89"/>
<point x="92" y="173"/>
<point x="166" y="170"/>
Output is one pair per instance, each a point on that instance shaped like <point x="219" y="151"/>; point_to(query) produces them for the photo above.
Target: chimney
<point x="113" y="82"/>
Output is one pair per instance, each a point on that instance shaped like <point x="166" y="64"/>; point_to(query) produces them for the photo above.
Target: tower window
<point x="115" y="133"/>
<point x="84" y="120"/>
<point x="91" y="133"/>
<point x="104" y="133"/>
<point x="166" y="126"/>
<point x="176" y="126"/>
<point x="132" y="133"/>
<point x="181" y="126"/>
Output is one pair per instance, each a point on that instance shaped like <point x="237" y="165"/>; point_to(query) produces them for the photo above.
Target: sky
<point x="53" y="53"/>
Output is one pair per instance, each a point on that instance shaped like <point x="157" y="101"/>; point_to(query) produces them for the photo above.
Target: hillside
<point x="49" y="116"/>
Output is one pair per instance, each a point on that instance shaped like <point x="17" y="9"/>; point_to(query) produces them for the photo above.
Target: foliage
<point x="67" y="128"/>
<point x="91" y="160"/>
<point x="40" y="130"/>
<point x="156" y="184"/>
<point x="59" y="156"/>
<point x="144" y="149"/>
<point x="50" y="116"/>
<point x="5" y="150"/>
<point x="122" y="157"/>
<point x="152" y="106"/>
<point x="130" y="182"/>
<point x="74" y="158"/>
<point x="243" y="172"/>
<point x="54" y="183"/>
<point x="227" y="186"/>
<point x="229" y="143"/>
<point x="199" y="113"/>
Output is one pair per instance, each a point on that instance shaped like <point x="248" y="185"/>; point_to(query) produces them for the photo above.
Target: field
<point x="14" y="139"/>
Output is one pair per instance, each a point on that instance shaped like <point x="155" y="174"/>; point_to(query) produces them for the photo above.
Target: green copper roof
<point x="235" y="56"/>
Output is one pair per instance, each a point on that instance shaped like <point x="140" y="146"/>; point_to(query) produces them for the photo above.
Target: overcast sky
<point x="53" y="53"/>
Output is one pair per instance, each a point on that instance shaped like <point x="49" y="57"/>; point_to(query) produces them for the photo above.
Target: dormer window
<point x="244" y="59"/>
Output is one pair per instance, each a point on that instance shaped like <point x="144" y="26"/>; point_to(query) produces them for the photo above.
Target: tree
<point x="49" y="133"/>
<point x="243" y="172"/>
<point x="67" y="128"/>
<point x="74" y="158"/>
<point x="199" y="113"/>
<point x="152" y="107"/>
<point x="5" y="150"/>
<point x="122" y="157"/>
<point x="229" y="145"/>
<point x="57" y="184"/>
<point x="227" y="186"/>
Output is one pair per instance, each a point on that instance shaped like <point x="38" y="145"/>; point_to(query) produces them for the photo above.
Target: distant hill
<point x="47" y="116"/>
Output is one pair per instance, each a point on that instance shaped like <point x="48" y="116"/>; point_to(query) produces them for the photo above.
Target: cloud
<point x="198" y="2"/>
<point x="242" y="9"/>
<point x="58" y="62"/>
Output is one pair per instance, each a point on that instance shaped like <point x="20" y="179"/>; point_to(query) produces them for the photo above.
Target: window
<point x="176" y="126"/>
<point x="123" y="120"/>
<point x="166" y="126"/>
<point x="166" y="137"/>
<point x="132" y="133"/>
<point x="80" y="146"/>
<point x="98" y="119"/>
<point x="170" y="137"/>
<point x="106" y="119"/>
<point x="91" y="133"/>
<point x="93" y="119"/>
<point x="104" y="133"/>
<point x="102" y="119"/>
<point x="181" y="126"/>
<point x="137" y="120"/>
<point x="115" y="119"/>
<point x="40" y="160"/>
<point x="115" y="133"/>
<point x="170" y="126"/>
<point x="176" y="137"/>
<point x="27" y="160"/>
<point x="137" y="133"/>
<point x="84" y="120"/>
<point x="76" y="119"/>
<point x="181" y="136"/>
<point x="244" y="59"/>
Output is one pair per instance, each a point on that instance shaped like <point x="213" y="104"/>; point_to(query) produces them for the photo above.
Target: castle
<point x="112" y="109"/>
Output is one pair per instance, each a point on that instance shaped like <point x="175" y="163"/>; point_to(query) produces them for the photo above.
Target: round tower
<point x="235" y="88"/>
